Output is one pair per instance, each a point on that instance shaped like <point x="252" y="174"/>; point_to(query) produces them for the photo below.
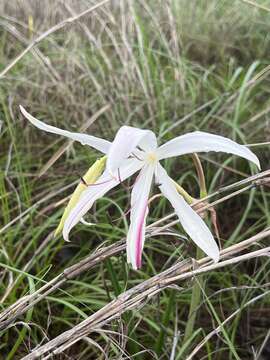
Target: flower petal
<point x="190" y="220"/>
<point x="198" y="141"/>
<point x="90" y="177"/>
<point x="105" y="183"/>
<point x="93" y="141"/>
<point x="126" y="141"/>
<point x="138" y="213"/>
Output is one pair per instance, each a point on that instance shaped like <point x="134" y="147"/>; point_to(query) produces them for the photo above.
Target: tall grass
<point x="173" y="66"/>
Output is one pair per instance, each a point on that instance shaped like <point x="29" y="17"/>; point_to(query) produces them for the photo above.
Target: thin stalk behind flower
<point x="200" y="173"/>
<point x="90" y="177"/>
<point x="198" y="281"/>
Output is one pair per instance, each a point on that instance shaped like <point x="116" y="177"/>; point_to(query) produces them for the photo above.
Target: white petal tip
<point x="216" y="258"/>
<point x="22" y="110"/>
<point x="256" y="161"/>
<point x="132" y="264"/>
<point x="86" y="223"/>
<point x="65" y="236"/>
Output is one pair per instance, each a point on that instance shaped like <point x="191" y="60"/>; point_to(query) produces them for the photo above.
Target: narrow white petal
<point x="138" y="214"/>
<point x="105" y="183"/>
<point x="93" y="141"/>
<point x="190" y="220"/>
<point x="198" y="141"/>
<point x="126" y="141"/>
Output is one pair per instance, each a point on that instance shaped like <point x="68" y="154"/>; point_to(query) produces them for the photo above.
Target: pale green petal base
<point x="90" y="177"/>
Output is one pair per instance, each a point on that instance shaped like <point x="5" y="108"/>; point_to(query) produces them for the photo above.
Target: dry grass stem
<point x="50" y="31"/>
<point x="134" y="297"/>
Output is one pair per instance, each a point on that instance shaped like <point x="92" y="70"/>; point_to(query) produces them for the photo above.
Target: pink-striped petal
<point x="138" y="214"/>
<point x="189" y="219"/>
<point x="93" y="141"/>
<point x="105" y="183"/>
<point x="126" y="141"/>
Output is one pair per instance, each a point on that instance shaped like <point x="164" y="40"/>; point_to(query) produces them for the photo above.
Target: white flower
<point x="132" y="150"/>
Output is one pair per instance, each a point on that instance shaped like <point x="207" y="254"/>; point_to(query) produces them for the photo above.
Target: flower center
<point x="151" y="158"/>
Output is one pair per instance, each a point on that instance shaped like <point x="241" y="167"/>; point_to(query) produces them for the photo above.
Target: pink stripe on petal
<point x="139" y="237"/>
<point x="138" y="214"/>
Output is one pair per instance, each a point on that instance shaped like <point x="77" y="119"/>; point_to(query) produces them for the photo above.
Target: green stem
<point x="165" y="323"/>
<point x="195" y="301"/>
<point x="198" y="282"/>
<point x="114" y="280"/>
<point x="200" y="173"/>
<point x="132" y="345"/>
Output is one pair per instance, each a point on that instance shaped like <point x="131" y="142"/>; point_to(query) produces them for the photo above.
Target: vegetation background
<point x="172" y="66"/>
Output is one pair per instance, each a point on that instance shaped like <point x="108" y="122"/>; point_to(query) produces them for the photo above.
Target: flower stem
<point x="198" y="281"/>
<point x="114" y="280"/>
<point x="200" y="173"/>
<point x="165" y="323"/>
<point x="195" y="301"/>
